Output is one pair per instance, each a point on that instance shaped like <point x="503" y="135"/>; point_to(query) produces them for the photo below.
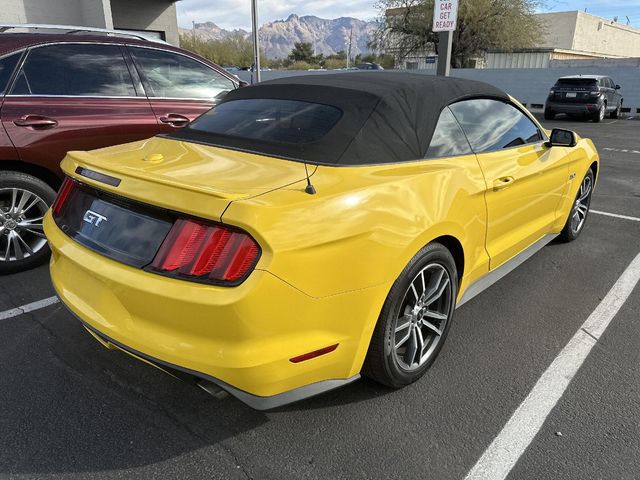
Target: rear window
<point x="577" y="82"/>
<point x="270" y="120"/>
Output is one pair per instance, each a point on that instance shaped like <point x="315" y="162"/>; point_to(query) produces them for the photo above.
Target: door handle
<point x="37" y="122"/>
<point x="502" y="183"/>
<point x="175" y="120"/>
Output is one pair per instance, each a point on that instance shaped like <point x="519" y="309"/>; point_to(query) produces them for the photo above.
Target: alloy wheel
<point x="21" y="232"/>
<point x="423" y="316"/>
<point x="602" y="112"/>
<point x="581" y="205"/>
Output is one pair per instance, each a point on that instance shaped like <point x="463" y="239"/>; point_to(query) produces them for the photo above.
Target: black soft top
<point x="386" y="117"/>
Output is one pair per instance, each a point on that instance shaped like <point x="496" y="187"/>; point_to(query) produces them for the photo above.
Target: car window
<point x="577" y="82"/>
<point x="448" y="139"/>
<point x="171" y="75"/>
<point x="7" y="65"/>
<point x="80" y="70"/>
<point x="493" y="125"/>
<point x="271" y="120"/>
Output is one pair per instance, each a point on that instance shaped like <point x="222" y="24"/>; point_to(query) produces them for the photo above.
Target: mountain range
<point x="329" y="36"/>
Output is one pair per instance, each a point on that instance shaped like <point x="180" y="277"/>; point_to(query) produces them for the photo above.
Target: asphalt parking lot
<point x="71" y="409"/>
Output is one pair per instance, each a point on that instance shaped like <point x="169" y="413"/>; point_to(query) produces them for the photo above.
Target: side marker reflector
<point x="314" y="354"/>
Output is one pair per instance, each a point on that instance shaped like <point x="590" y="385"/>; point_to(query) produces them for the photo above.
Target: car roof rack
<point x="75" y="29"/>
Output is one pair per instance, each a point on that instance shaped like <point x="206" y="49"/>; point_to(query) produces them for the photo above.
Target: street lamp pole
<point x="256" y="44"/>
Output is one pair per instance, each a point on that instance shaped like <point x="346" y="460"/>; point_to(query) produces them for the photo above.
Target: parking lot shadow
<point x="69" y="405"/>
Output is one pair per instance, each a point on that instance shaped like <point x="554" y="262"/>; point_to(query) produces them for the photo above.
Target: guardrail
<point x="529" y="85"/>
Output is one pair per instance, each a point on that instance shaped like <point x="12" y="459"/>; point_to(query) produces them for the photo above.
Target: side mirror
<point x="618" y="87"/>
<point x="242" y="84"/>
<point x="562" y="138"/>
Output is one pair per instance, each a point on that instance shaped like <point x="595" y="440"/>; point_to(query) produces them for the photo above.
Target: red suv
<point x="81" y="91"/>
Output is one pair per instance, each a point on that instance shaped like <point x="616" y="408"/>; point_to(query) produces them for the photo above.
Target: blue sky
<point x="232" y="14"/>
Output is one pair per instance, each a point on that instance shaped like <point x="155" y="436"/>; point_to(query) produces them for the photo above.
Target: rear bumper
<point x="240" y="338"/>
<point x="573" y="108"/>
<point x="254" y="401"/>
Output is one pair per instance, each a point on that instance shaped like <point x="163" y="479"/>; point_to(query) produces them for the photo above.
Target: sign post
<point x="445" y="17"/>
<point x="256" y="40"/>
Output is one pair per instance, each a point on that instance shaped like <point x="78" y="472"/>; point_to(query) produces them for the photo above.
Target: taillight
<point x="67" y="187"/>
<point x="209" y="253"/>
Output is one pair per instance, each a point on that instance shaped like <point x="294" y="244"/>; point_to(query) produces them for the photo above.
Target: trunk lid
<point x="195" y="179"/>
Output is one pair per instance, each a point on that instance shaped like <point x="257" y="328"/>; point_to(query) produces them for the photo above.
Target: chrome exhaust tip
<point x="212" y="389"/>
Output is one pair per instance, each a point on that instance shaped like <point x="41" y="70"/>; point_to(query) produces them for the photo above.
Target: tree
<point x="482" y="25"/>
<point x="301" y="52"/>
<point x="234" y="50"/>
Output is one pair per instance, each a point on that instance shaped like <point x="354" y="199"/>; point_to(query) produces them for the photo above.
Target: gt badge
<point x="93" y="218"/>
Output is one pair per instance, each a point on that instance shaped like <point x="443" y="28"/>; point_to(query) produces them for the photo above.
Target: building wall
<point x="596" y="63"/>
<point x="531" y="59"/>
<point x="536" y="58"/>
<point x="563" y="55"/>
<point x="418" y="61"/>
<point x="159" y="15"/>
<point x="96" y="13"/>
<point x="583" y="32"/>
<point x="595" y="34"/>
<point x="529" y="85"/>
<point x="558" y="29"/>
<point x="90" y="13"/>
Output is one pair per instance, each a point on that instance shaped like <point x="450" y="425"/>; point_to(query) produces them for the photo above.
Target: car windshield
<point x="271" y="120"/>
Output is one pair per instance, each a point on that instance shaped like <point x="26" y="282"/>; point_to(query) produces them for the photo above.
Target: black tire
<point x="549" y="115"/>
<point x="600" y="114"/>
<point x="616" y="112"/>
<point x="569" y="232"/>
<point x="43" y="196"/>
<point x="382" y="363"/>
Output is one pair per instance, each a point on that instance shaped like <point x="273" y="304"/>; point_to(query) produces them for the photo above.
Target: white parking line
<point x="505" y="450"/>
<point x="615" y="215"/>
<point x="621" y="150"/>
<point x="29" y="307"/>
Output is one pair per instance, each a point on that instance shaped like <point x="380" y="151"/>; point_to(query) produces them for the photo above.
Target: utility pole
<point x="256" y="44"/>
<point x="349" y="47"/>
<point x="193" y="31"/>
<point x="314" y="44"/>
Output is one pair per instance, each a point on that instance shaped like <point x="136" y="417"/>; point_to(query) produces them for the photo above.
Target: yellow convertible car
<point x="309" y="230"/>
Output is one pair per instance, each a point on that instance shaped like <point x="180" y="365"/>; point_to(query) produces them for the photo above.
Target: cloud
<point x="232" y="14"/>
